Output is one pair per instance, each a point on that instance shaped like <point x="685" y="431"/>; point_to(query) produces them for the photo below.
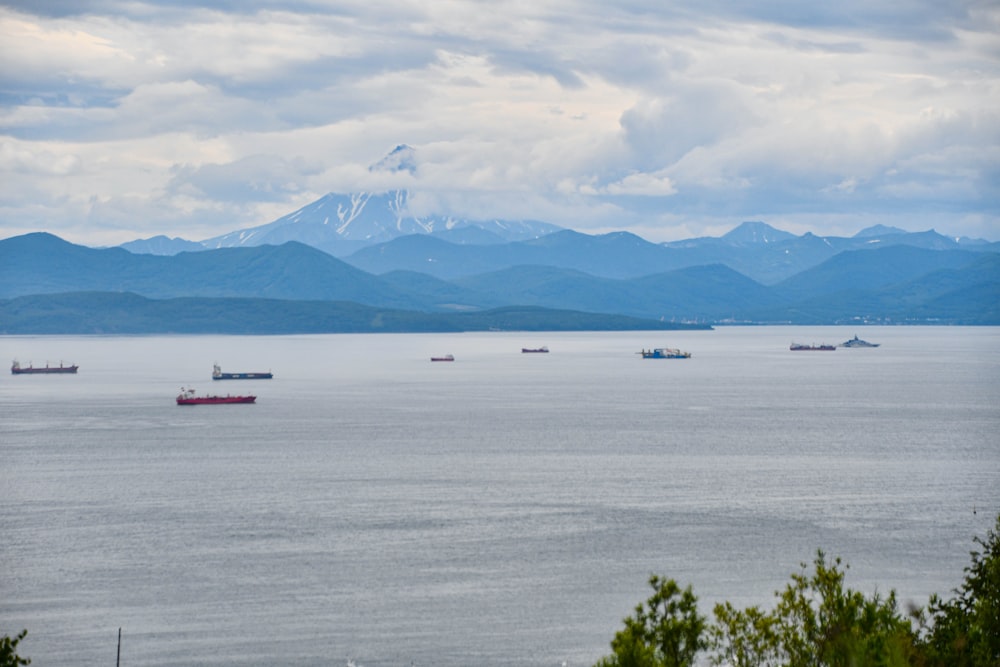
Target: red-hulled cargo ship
<point x="187" y="397"/>
<point x="17" y="369"/>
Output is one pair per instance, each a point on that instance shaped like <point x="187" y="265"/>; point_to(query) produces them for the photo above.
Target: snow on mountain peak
<point x="400" y="158"/>
<point x="341" y="223"/>
<point x="756" y="232"/>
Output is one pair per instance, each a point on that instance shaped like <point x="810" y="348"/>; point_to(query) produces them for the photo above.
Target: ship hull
<point x="216" y="400"/>
<point x="243" y="376"/>
<point x="54" y="370"/>
<point x="857" y="342"/>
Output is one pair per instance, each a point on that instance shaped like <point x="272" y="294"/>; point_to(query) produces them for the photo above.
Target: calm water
<point x="504" y="509"/>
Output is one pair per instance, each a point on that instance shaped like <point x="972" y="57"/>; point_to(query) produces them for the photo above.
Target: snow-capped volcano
<point x="340" y="224"/>
<point x="355" y="217"/>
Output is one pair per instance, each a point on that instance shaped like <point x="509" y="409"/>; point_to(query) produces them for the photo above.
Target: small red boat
<point x="187" y="397"/>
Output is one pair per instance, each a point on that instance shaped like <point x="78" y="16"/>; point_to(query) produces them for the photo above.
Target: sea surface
<point x="374" y="508"/>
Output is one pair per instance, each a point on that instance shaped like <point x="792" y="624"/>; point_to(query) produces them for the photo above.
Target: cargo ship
<point x="534" y="350"/>
<point x="664" y="353"/>
<point x="217" y="374"/>
<point x="447" y="357"/>
<point x="187" y="397"/>
<point x="796" y="347"/>
<point x="17" y="369"/>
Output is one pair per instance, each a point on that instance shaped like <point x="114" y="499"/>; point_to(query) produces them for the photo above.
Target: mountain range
<point x="367" y="262"/>
<point x="377" y="234"/>
<point x="559" y="280"/>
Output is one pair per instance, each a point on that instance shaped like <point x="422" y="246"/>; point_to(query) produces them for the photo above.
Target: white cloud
<point x="648" y="185"/>
<point x="18" y="158"/>
<point x="145" y="118"/>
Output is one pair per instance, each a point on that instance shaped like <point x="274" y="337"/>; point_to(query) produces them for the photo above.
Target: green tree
<point x="746" y="638"/>
<point x="8" y="651"/>
<point x="666" y="631"/>
<point x="965" y="630"/>
<point x="817" y="622"/>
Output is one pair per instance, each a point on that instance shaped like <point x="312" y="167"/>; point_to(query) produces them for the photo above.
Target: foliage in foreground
<point x="965" y="630"/>
<point x="818" y="622"/>
<point x="667" y="630"/>
<point x="8" y="650"/>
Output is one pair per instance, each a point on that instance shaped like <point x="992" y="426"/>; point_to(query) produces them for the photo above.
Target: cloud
<point x="141" y="118"/>
<point x="18" y="158"/>
<point x="249" y="179"/>
<point x="662" y="129"/>
<point x="641" y="184"/>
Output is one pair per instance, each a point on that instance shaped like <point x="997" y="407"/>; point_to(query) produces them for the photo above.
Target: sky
<point x="126" y="119"/>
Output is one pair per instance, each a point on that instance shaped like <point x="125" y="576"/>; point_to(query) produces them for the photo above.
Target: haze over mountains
<point x="294" y="287"/>
<point x="398" y="272"/>
<point x="376" y="233"/>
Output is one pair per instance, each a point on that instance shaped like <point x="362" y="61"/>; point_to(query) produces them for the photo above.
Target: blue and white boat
<point x="664" y="353"/>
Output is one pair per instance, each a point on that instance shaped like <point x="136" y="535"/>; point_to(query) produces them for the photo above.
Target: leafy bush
<point x="818" y="622"/>
<point x="8" y="650"/>
<point x="664" y="632"/>
<point x="965" y="630"/>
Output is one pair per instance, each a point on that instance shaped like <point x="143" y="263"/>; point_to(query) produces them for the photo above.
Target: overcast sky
<point x="124" y="119"/>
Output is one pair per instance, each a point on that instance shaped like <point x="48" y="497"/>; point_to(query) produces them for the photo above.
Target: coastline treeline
<point x="819" y="622"/>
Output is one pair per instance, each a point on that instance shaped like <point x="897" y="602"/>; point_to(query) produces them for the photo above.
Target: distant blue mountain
<point x="754" y="249"/>
<point x="616" y="255"/>
<point x="878" y="231"/>
<point x="162" y="245"/>
<point x="753" y="233"/>
<point x="41" y="263"/>
<point x="701" y="293"/>
<point x="855" y="270"/>
<point x="871" y="279"/>
<point x="965" y="289"/>
<point x="376" y="233"/>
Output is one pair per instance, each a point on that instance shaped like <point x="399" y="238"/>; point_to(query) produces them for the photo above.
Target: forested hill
<point x="892" y="284"/>
<point x="126" y="313"/>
